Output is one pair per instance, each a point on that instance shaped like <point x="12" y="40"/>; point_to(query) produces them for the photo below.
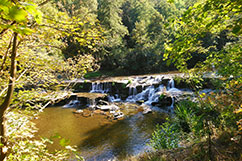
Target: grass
<point x="223" y="149"/>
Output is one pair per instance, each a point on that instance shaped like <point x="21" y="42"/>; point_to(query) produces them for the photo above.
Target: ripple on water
<point x="97" y="137"/>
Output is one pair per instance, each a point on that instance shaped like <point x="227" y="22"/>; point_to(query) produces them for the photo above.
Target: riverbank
<point x="223" y="148"/>
<point x="91" y="124"/>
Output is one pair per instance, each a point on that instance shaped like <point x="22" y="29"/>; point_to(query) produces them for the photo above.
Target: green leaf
<point x="64" y="142"/>
<point x="236" y="29"/>
<point x="4" y="6"/>
<point x="38" y="16"/>
<point x="17" y="14"/>
<point x="23" y="30"/>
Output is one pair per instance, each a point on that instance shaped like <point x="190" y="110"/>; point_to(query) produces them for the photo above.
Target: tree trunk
<point x="8" y="97"/>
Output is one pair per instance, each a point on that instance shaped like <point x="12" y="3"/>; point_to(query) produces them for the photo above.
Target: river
<point x="97" y="137"/>
<point x="144" y="101"/>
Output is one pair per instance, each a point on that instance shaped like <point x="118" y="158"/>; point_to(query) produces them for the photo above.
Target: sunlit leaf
<point x="18" y="14"/>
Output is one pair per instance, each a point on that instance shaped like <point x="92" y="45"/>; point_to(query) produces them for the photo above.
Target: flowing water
<point x="100" y="138"/>
<point x="97" y="137"/>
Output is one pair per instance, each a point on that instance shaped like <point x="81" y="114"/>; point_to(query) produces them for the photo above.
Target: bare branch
<point x="4" y="30"/>
<point x="5" y="55"/>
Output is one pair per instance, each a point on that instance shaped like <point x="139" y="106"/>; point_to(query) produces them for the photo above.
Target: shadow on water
<point x="122" y="138"/>
<point x="97" y="137"/>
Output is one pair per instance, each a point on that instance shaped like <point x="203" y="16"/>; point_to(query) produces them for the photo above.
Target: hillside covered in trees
<point x="44" y="43"/>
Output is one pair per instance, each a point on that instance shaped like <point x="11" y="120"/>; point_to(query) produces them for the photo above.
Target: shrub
<point x="166" y="136"/>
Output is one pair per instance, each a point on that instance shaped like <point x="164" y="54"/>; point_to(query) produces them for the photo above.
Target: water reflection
<point x="97" y="137"/>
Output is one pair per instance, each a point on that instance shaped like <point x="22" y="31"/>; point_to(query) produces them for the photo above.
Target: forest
<point x="46" y="43"/>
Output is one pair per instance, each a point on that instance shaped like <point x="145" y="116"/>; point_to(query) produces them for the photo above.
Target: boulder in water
<point x="108" y="107"/>
<point x="140" y="102"/>
<point x="163" y="101"/>
<point x="147" y="110"/>
<point x="98" y="112"/>
<point x="78" y="111"/>
<point x="102" y="102"/>
<point x="118" y="115"/>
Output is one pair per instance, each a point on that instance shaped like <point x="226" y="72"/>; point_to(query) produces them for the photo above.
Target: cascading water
<point x="154" y="95"/>
<point x="172" y="104"/>
<point x="98" y="87"/>
<point x="72" y="104"/>
<point x="115" y="98"/>
<point x="149" y="94"/>
<point x="171" y="84"/>
<point x="132" y="91"/>
<point x="92" y="103"/>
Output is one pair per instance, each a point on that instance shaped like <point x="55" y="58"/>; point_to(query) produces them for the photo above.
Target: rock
<point x="92" y="107"/>
<point x="140" y="102"/>
<point x="118" y="115"/>
<point x="114" y="107"/>
<point x="86" y="113"/>
<point x="163" y="102"/>
<point x="155" y="103"/>
<point x="78" y="111"/>
<point x="98" y="112"/>
<point x="104" y="107"/>
<point x="102" y="102"/>
<point x="108" y="107"/>
<point x="147" y="110"/>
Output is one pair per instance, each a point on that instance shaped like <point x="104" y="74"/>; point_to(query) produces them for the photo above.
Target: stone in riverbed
<point x="102" y="102"/>
<point x="147" y="110"/>
<point x="78" y="111"/>
<point x="140" y="102"/>
<point x="98" y="112"/>
<point x="87" y="113"/>
<point x="118" y="115"/>
<point x="108" y="107"/>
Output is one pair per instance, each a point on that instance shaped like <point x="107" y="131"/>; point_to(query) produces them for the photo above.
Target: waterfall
<point x="171" y="84"/>
<point x="92" y="103"/>
<point x="98" y="87"/>
<point x="149" y="94"/>
<point x="115" y="98"/>
<point x="132" y="91"/>
<point x="154" y="94"/>
<point x="72" y="104"/>
<point x="172" y="104"/>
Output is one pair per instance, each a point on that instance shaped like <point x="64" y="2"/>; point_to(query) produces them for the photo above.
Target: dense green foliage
<point x="166" y="136"/>
<point x="134" y="32"/>
<point x="33" y="35"/>
<point x="211" y="31"/>
<point x="204" y="20"/>
<point x="222" y="20"/>
<point x="142" y="31"/>
<point x="44" y="43"/>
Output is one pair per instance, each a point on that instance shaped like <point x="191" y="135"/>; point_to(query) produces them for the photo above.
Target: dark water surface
<point x="97" y="137"/>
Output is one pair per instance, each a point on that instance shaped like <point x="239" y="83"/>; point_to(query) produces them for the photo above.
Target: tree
<point x="109" y="15"/>
<point x="208" y="17"/>
<point x="40" y="46"/>
<point x="83" y="14"/>
<point x="221" y="19"/>
<point x="16" y="18"/>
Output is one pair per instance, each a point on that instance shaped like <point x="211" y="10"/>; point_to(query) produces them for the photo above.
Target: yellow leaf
<point x="239" y="110"/>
